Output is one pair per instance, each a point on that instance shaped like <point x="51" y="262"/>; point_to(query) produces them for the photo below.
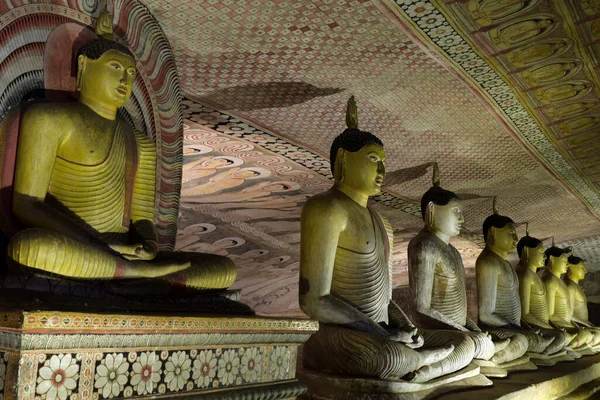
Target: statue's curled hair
<point x="352" y="140"/>
<point x="438" y="196"/>
<point x="575" y="260"/>
<point x="495" y="221"/>
<point x="96" y="47"/>
<point x="555" y="251"/>
<point x="527" y="241"/>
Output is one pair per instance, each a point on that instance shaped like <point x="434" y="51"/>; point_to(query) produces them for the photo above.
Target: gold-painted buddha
<point x="576" y="273"/>
<point x="345" y="272"/>
<point x="559" y="301"/>
<point x="532" y="293"/>
<point x="84" y="185"/>
<point x="437" y="281"/>
<point x="498" y="288"/>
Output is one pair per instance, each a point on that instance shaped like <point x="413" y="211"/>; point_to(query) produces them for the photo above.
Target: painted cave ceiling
<point x="503" y="94"/>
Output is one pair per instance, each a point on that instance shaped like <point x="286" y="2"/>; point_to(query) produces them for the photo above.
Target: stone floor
<point x="579" y="379"/>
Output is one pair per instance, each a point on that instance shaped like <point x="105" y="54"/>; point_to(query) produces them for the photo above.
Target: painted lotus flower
<point x="58" y="377"/>
<point x="204" y="368"/>
<point x="251" y="365"/>
<point x="146" y="373"/>
<point x="228" y="367"/>
<point x="177" y="370"/>
<point x="111" y="375"/>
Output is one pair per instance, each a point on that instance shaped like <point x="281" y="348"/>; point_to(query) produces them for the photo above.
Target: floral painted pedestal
<point x="55" y="355"/>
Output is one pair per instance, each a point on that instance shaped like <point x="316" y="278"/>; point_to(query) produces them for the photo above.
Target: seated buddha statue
<point x="532" y="293"/>
<point x="84" y="184"/>
<point x="498" y="288"/>
<point x="576" y="271"/>
<point x="345" y="272"/>
<point x="437" y="279"/>
<point x="559" y="301"/>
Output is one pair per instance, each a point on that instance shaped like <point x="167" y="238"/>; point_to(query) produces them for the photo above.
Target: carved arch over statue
<point x="155" y="104"/>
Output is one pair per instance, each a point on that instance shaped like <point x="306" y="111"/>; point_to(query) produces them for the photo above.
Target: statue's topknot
<point x="352" y="139"/>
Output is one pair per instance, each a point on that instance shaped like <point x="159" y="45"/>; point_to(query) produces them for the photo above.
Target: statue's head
<point x="576" y="268"/>
<point x="105" y="72"/>
<point x="557" y="259"/>
<point x="531" y="251"/>
<point x="499" y="231"/>
<point x="441" y="209"/>
<point x="357" y="159"/>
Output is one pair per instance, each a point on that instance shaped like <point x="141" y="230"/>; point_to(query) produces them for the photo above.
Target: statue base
<point x="546" y="360"/>
<point x="490" y="369"/>
<point x="579" y="379"/>
<point x="520" y="364"/>
<point x="581" y="351"/>
<point x="332" y="387"/>
<point x="82" y="355"/>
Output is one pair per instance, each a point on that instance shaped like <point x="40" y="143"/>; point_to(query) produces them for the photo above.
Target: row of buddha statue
<point x="81" y="208"/>
<point x="524" y="320"/>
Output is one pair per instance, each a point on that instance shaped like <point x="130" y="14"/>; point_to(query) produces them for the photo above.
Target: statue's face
<point x="448" y="219"/>
<point x="577" y="271"/>
<point x="560" y="263"/>
<point x="505" y="238"/>
<point x="536" y="256"/>
<point x="364" y="169"/>
<point x="109" y="79"/>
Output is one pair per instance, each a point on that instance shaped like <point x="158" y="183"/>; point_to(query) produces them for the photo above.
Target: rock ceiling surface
<point x="501" y="93"/>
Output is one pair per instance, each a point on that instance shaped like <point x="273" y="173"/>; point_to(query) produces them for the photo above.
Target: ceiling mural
<point x="242" y="194"/>
<point x="502" y="94"/>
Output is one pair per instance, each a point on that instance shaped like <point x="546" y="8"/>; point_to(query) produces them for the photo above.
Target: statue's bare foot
<point x="434" y="355"/>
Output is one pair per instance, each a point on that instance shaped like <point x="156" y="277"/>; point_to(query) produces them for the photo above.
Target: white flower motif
<point x="251" y="365"/>
<point x="448" y="41"/>
<point x="419" y="9"/>
<point x="146" y="373"/>
<point x="228" y="367"/>
<point x="2" y="373"/>
<point x="280" y="362"/>
<point x="440" y="31"/>
<point x="177" y="370"/>
<point x="204" y="368"/>
<point x="58" y="377"/>
<point x="431" y="21"/>
<point x="111" y="375"/>
<point x="459" y="48"/>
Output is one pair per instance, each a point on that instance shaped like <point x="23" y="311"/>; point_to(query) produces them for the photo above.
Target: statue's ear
<point x="339" y="164"/>
<point x="491" y="234"/>
<point x="429" y="211"/>
<point x="81" y="64"/>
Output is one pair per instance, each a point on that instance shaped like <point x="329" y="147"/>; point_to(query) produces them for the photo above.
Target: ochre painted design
<point x="543" y="39"/>
<point x="69" y="322"/>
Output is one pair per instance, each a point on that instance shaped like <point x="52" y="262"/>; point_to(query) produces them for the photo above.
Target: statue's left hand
<point x="140" y="251"/>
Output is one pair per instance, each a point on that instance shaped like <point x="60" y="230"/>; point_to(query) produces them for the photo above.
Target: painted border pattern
<point x="64" y="321"/>
<point x="434" y="25"/>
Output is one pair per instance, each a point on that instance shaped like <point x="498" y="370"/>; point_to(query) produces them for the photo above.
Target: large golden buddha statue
<point x="559" y="301"/>
<point x="345" y="273"/>
<point x="498" y="287"/>
<point x="84" y="184"/>
<point x="437" y="280"/>
<point x="575" y="273"/>
<point x="532" y="293"/>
